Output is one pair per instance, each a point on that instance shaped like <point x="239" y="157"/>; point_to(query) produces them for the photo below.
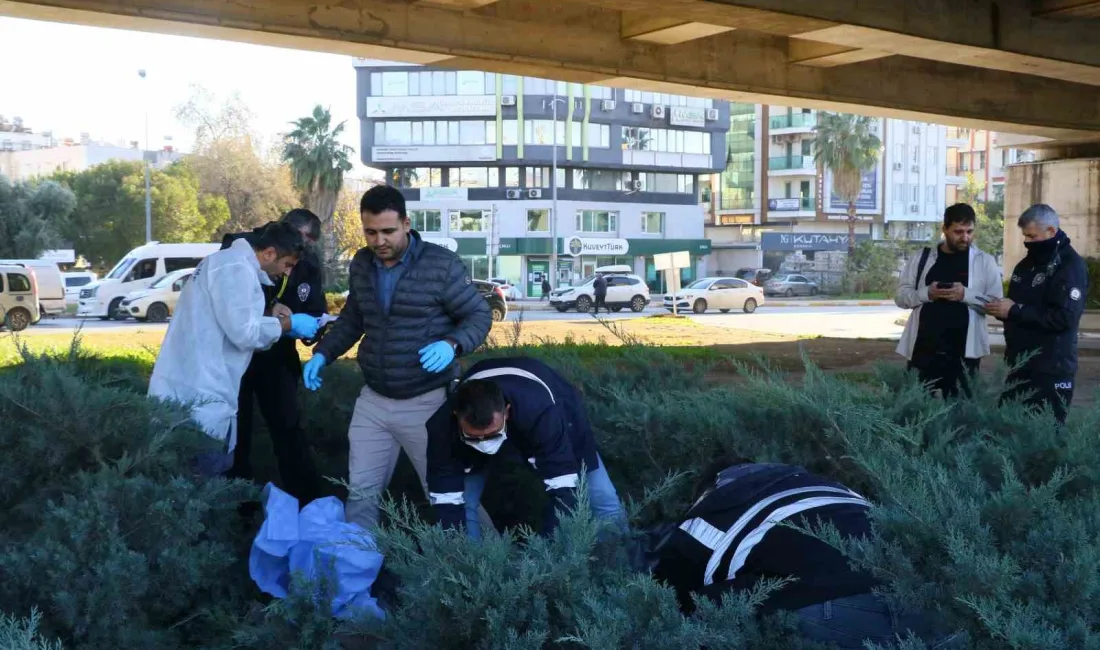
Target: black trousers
<point x="601" y="301"/>
<point x="947" y="373"/>
<point x="272" y="379"/>
<point x="1042" y="390"/>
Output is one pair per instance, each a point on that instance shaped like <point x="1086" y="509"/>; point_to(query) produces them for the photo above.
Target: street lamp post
<point x="554" y="195"/>
<point x="145" y="157"/>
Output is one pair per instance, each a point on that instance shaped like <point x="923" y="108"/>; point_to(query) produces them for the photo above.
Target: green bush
<point x="986" y="514"/>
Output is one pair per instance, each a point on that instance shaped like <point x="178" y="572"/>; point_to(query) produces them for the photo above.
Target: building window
<point x="426" y="220"/>
<point x="509" y="84"/>
<point x="653" y="223"/>
<point x="981" y="160"/>
<point x="667" y="183"/>
<point x="647" y="97"/>
<point x="916" y="194"/>
<point x="807" y="147"/>
<point x="804" y="189"/>
<point x="601" y="221"/>
<point x="666" y="140"/>
<point x="511" y="132"/>
<point x="475" y="177"/>
<point x="787" y="190"/>
<point x="931" y="157"/>
<point x="540" y="176"/>
<point x="597" y="179"/>
<point x="916" y="155"/>
<point x="417" y="177"/>
<point x="899" y="192"/>
<point x="930" y="193"/>
<point x="432" y="133"/>
<point x="468" y="220"/>
<point x="539" y="132"/>
<point x="538" y="220"/>
<point x="511" y="177"/>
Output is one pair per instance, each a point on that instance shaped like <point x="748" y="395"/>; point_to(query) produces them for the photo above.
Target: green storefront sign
<point x="636" y="247"/>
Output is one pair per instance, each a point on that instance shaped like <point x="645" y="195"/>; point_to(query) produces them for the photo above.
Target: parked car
<point x="74" y="281"/>
<point x="624" y="289"/>
<point x="494" y="295"/>
<point x="790" y="285"/>
<point x="759" y="277"/>
<point x="50" y="285"/>
<point x="19" y="308"/>
<point x="102" y="298"/>
<point x="158" y="302"/>
<point x="722" y="294"/>
<point x="511" y="291"/>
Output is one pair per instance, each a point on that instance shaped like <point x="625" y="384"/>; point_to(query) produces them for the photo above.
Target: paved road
<point x="843" y="322"/>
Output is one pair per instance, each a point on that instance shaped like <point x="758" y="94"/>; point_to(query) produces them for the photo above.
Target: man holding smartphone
<point x="947" y="287"/>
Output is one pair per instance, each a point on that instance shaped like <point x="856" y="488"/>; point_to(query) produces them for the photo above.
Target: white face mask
<point x="488" y="446"/>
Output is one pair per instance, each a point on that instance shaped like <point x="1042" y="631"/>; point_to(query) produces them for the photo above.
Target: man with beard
<point x="1046" y="298"/>
<point x="273" y="375"/>
<point x="947" y="288"/>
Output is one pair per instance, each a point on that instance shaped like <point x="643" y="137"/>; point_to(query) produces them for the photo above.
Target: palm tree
<point x="318" y="161"/>
<point x="845" y="145"/>
<point x="405" y="176"/>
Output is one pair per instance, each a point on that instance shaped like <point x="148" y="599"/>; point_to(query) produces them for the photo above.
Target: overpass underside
<point x="1006" y="65"/>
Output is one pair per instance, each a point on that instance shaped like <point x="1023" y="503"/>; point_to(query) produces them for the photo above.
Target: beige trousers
<point x="380" y="428"/>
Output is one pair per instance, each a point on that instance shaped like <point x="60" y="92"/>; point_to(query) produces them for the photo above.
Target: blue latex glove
<point x="311" y="373"/>
<point x="303" y="326"/>
<point x="437" y="357"/>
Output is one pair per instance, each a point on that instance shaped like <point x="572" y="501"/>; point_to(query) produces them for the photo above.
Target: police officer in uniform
<point x="1046" y="297"/>
<point x="273" y="375"/>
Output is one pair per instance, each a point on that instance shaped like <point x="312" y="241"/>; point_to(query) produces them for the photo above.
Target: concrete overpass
<point x="1022" y="66"/>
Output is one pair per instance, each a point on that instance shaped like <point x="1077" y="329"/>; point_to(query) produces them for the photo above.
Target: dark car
<point x="494" y="295"/>
<point x="759" y="277"/>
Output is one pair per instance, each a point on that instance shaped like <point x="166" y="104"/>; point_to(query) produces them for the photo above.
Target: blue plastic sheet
<point x="313" y="542"/>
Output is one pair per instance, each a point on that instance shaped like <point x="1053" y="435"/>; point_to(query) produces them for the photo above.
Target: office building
<point x="474" y="153"/>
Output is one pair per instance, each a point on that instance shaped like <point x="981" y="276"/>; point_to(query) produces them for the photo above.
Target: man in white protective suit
<point x="220" y="320"/>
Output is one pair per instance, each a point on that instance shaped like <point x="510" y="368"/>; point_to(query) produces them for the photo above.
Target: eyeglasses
<point x="492" y="436"/>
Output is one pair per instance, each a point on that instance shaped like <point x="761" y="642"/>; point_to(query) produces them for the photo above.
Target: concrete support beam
<point x="826" y="55"/>
<point x="457" y="4"/>
<point x="583" y="41"/>
<point x="1067" y="8"/>
<point x="665" y="31"/>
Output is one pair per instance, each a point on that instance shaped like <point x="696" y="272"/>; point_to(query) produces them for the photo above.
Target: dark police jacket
<point x="730" y="538"/>
<point x="1049" y="287"/>
<point x="434" y="299"/>
<point x="547" y="426"/>
<point x="302" y="292"/>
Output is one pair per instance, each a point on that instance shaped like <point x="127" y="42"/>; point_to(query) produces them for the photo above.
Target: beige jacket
<point x="984" y="280"/>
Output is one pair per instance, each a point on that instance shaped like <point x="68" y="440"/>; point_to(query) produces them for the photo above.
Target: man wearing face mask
<point x="517" y="408"/>
<point x="1046" y="297"/>
<point x="273" y="375"/>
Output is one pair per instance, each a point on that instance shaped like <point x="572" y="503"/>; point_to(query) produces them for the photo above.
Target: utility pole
<point x="554" y="196"/>
<point x="145" y="157"/>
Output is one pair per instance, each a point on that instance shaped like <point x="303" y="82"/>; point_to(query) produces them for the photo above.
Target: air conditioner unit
<point x="637" y="108"/>
<point x="636" y="185"/>
<point x="916" y="168"/>
<point x="916" y="129"/>
<point x="914" y="208"/>
<point x="657" y="111"/>
<point x="897" y="167"/>
<point x="534" y="194"/>
<point x="712" y="114"/>
<point x="608" y="104"/>
<point x="513" y="194"/>
<point x="508" y="100"/>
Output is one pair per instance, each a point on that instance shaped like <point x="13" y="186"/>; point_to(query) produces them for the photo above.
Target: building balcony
<point x="737" y="203"/>
<point x="794" y="165"/>
<point x="793" y="123"/>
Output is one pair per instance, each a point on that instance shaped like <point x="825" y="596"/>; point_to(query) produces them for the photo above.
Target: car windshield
<point x="121" y="268"/>
<point x="699" y="284"/>
<point x="163" y="281"/>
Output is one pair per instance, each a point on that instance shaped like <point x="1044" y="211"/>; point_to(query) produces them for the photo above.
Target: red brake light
<point x="499" y="292"/>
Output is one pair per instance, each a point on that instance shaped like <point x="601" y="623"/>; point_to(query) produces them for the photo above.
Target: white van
<point x="101" y="299"/>
<point x="51" y="286"/>
<point x="74" y="282"/>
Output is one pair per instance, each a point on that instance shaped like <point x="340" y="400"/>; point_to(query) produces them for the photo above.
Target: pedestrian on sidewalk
<point x="413" y="309"/>
<point x="947" y="287"/>
<point x="1046" y="298"/>
<point x="599" y="292"/>
<point x="546" y="289"/>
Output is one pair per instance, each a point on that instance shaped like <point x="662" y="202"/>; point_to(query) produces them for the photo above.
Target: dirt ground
<point x="785" y="352"/>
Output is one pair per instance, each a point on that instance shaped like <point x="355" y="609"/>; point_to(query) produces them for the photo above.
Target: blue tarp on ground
<point x="317" y="539"/>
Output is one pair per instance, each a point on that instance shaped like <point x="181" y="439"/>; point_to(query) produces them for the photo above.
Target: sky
<point x="86" y="80"/>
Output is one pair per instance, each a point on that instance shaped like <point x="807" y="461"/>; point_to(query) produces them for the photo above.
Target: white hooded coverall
<point x="218" y="323"/>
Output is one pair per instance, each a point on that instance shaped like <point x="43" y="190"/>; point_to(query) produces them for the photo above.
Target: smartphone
<point x="945" y="285"/>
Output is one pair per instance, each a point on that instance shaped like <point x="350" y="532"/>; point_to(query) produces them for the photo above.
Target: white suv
<point x="623" y="290"/>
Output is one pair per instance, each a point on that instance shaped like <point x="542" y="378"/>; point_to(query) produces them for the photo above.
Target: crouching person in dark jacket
<point x="734" y="536"/>
<point x="502" y="407"/>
